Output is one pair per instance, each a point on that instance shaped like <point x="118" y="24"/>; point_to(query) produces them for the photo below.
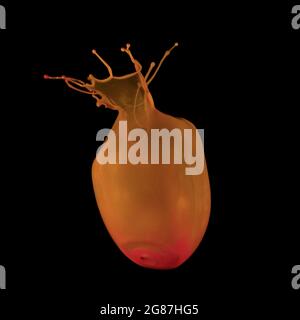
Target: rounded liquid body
<point x="155" y="213"/>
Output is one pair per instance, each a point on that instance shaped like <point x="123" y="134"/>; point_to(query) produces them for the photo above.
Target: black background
<point x="234" y="74"/>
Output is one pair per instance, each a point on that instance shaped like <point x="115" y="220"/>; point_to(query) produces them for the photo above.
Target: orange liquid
<point x="156" y="213"/>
